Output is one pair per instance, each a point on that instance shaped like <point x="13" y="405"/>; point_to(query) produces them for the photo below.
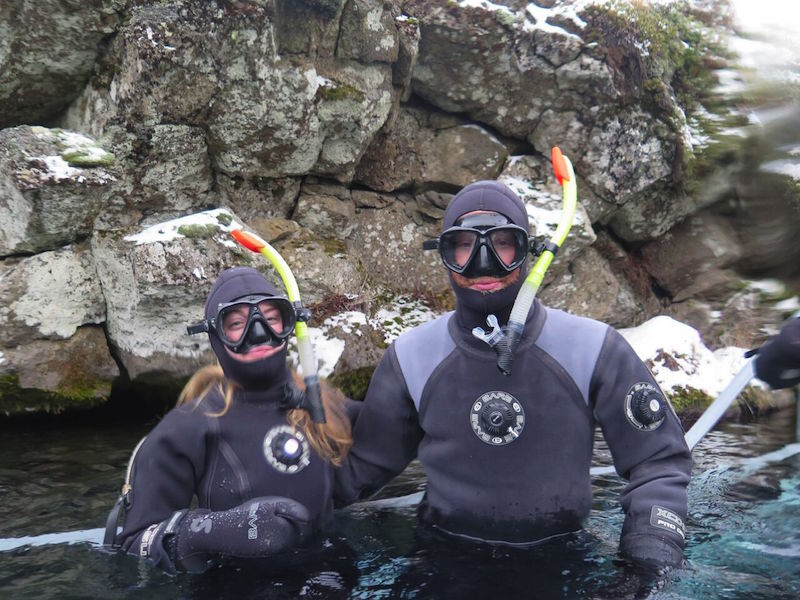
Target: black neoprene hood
<point x="486" y="195"/>
<point x="231" y="285"/>
<point x="236" y="283"/>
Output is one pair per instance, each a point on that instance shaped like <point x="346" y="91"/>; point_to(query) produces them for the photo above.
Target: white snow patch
<point x="525" y="189"/>
<point x="485" y="5"/>
<point x="791" y="168"/>
<point x="399" y="317"/>
<point x="790" y="304"/>
<point x="539" y="17"/>
<point x="58" y="168"/>
<point x="327" y="351"/>
<point x="328" y="348"/>
<point x="669" y="344"/>
<point x="168" y="230"/>
<point x="349" y="321"/>
<point x="403" y="314"/>
<point x="544" y="217"/>
<point x="771" y="287"/>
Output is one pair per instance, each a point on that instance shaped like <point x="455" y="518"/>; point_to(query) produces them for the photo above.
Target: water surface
<point x="744" y="533"/>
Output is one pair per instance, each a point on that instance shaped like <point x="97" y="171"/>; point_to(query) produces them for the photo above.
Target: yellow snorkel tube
<point x="505" y="340"/>
<point x="308" y="363"/>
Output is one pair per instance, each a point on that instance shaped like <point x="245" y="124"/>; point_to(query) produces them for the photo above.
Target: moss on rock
<point x="353" y="384"/>
<point x="74" y="395"/>
<point x="197" y="230"/>
<point x="341" y="92"/>
<point x="688" y="399"/>
<point x="651" y="43"/>
<point x="90" y="156"/>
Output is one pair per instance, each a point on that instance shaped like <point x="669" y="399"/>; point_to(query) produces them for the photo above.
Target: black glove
<point x="192" y="540"/>
<point x="649" y="562"/>
<point x="651" y="551"/>
<point x="778" y="361"/>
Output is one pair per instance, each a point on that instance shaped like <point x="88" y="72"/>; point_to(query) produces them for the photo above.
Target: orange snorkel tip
<point x="559" y="165"/>
<point x="248" y="240"/>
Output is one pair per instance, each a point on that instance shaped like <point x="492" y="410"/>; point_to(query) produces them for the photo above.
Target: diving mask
<point x="250" y="321"/>
<point x="483" y="243"/>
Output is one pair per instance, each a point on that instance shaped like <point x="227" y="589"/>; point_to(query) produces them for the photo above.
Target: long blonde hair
<point x="331" y="439"/>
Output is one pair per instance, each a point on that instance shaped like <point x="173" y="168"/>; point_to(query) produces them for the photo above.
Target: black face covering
<point x="231" y="285"/>
<point x="473" y="306"/>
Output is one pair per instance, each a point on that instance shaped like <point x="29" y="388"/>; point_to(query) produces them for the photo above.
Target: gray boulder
<point x="423" y="149"/>
<point x="53" y="351"/>
<point x="48" y="50"/>
<point x="53" y="184"/>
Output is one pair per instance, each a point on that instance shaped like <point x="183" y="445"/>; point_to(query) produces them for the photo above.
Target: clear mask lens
<point x="459" y="245"/>
<point x="255" y="320"/>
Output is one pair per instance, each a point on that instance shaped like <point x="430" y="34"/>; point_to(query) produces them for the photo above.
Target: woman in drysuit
<point x="261" y="471"/>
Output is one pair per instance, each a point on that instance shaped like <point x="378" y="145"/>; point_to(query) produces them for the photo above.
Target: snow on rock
<point x="170" y="230"/>
<point x="678" y="359"/>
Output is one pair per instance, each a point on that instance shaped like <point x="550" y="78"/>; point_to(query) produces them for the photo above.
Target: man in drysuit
<point x="507" y="457"/>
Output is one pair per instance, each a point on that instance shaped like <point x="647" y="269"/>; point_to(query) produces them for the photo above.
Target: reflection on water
<point x="744" y="538"/>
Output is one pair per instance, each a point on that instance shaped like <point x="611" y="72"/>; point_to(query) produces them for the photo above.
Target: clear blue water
<point x="744" y="525"/>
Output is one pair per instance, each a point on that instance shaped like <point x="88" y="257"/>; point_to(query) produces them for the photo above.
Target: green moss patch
<point x="77" y="395"/>
<point x="197" y="231"/>
<point x="688" y="399"/>
<point x="90" y="156"/>
<point x="353" y="384"/>
<point x="341" y="92"/>
<point x="679" y="49"/>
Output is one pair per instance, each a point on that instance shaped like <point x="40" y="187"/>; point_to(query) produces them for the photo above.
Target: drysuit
<point x="261" y="489"/>
<point x="507" y="457"/>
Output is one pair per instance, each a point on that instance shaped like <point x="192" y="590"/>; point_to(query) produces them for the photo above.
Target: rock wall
<point x="137" y="134"/>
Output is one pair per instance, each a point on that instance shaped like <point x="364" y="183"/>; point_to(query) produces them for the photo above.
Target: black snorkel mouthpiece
<point x="309" y="399"/>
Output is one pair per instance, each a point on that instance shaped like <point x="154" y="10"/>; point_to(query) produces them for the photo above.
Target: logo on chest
<point x="286" y="450"/>
<point x="497" y="418"/>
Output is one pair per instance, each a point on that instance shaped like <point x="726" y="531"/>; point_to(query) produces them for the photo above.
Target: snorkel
<point x="504" y="340"/>
<point x="308" y="363"/>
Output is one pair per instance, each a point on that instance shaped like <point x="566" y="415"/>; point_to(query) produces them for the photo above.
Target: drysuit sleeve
<point x="778" y="361"/>
<point x="193" y="540"/>
<point x="653" y="458"/>
<point x="351" y="409"/>
<point x="385" y="436"/>
<point x="164" y="475"/>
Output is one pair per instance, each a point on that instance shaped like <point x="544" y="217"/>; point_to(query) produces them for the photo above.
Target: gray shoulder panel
<point x="420" y="351"/>
<point x="575" y="343"/>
